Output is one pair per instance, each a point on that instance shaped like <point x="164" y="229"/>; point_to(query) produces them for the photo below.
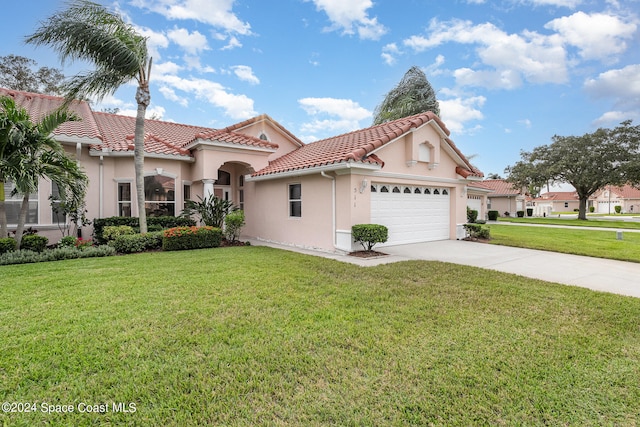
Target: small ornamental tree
<point x="369" y="234"/>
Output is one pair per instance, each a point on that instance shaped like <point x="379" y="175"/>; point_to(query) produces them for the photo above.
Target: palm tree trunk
<point x="3" y="213"/>
<point x="22" y="218"/>
<point x="143" y="98"/>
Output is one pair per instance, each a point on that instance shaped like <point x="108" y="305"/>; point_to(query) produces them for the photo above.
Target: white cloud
<point x="232" y="44"/>
<point x="155" y="111"/>
<point x="457" y="111"/>
<point x="572" y="4"/>
<point x="193" y="43"/>
<point x="213" y="12"/>
<point x="235" y="106"/>
<point x="166" y="68"/>
<point x="511" y="57"/>
<point x="351" y="17"/>
<point x="597" y="36"/>
<point x="245" y="73"/>
<point x="171" y="95"/>
<point x="622" y="86"/>
<point x="619" y="83"/>
<point x="344" y="115"/>
<point x="155" y="41"/>
<point x="389" y="53"/>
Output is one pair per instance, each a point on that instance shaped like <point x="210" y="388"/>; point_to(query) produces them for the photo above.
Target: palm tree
<point x="10" y="116"/>
<point x="33" y="153"/>
<point x="412" y="95"/>
<point x="88" y="31"/>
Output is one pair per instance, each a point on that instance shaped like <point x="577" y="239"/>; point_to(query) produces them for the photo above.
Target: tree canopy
<point x="88" y="31"/>
<point x="588" y="162"/>
<point x="17" y="73"/>
<point x="412" y="95"/>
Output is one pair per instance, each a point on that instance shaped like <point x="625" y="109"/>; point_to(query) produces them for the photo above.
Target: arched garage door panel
<point x="412" y="214"/>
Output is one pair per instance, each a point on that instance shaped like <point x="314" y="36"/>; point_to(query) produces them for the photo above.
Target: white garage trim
<point x="411" y="213"/>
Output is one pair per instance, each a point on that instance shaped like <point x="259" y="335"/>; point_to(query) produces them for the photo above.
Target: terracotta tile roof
<point x="260" y="118"/>
<point x="224" y="135"/>
<point x="37" y="105"/>
<point x="355" y="146"/>
<point x="627" y="192"/>
<point x="500" y="187"/>
<point x="559" y="196"/>
<point x="160" y="137"/>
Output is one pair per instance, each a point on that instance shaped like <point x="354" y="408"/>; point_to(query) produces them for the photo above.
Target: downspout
<point x="100" y="188"/>
<point x="333" y="206"/>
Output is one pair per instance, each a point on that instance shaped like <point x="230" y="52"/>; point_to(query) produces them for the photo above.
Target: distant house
<point x="502" y="197"/>
<point x="606" y="199"/>
<point x="406" y="174"/>
<point x="554" y="201"/>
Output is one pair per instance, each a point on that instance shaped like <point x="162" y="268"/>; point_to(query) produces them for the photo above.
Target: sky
<point x="509" y="74"/>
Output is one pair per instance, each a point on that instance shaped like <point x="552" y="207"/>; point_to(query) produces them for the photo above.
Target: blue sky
<point x="508" y="74"/>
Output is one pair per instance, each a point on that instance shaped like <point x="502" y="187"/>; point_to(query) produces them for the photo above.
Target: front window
<point x="57" y="215"/>
<point x="160" y="195"/>
<point x="13" y="203"/>
<point x="124" y="199"/>
<point x="295" y="200"/>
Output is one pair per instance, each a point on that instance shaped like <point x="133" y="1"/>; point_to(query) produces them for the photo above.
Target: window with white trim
<point x="295" y="200"/>
<point x="124" y="199"/>
<point x="160" y="195"/>
<point x="13" y="203"/>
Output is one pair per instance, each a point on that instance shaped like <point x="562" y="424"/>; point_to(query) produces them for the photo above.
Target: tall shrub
<point x="369" y="234"/>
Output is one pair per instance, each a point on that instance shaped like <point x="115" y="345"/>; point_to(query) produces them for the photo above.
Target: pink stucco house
<point x="406" y="174"/>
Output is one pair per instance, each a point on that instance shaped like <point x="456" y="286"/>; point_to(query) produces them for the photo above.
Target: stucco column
<point x="208" y="187"/>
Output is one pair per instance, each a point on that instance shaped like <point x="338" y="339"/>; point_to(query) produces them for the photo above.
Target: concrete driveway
<point x="594" y="273"/>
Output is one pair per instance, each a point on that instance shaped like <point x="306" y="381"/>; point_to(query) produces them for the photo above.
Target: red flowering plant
<point x="82" y="243"/>
<point x="177" y="238"/>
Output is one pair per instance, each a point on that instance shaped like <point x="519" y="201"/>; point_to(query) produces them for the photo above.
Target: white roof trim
<point x="207" y="143"/>
<point x="316" y="169"/>
<point x="110" y="153"/>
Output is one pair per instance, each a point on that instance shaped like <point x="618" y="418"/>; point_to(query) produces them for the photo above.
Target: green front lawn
<point x="596" y="243"/>
<point x="598" y="223"/>
<point x="258" y="336"/>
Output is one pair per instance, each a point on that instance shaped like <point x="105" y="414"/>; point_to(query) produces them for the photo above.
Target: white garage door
<point x="411" y="213"/>
<point x="607" y="207"/>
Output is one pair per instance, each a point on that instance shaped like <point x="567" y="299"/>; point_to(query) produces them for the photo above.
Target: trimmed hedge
<point x="33" y="242"/>
<point x="25" y="256"/>
<point x="369" y="234"/>
<point x="182" y="238"/>
<point x="154" y="223"/>
<point x="493" y="215"/>
<point x="112" y="232"/>
<point x="131" y="243"/>
<point x="7" y="244"/>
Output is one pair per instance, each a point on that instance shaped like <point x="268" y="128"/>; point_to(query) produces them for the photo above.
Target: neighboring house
<point x="407" y="175"/>
<point x="554" y="201"/>
<point x="606" y="199"/>
<point x="503" y="196"/>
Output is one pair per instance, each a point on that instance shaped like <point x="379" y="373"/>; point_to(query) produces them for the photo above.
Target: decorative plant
<point x="472" y="215"/>
<point x="211" y="210"/>
<point x="234" y="221"/>
<point x="369" y="234"/>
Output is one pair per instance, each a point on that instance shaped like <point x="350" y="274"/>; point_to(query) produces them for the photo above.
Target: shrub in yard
<point x="529" y="211"/>
<point x="33" y="242"/>
<point x="26" y="256"/>
<point x="493" y="215"/>
<point x="472" y="215"/>
<point x="478" y="231"/>
<point x="131" y="243"/>
<point x="7" y="244"/>
<point x="520" y="214"/>
<point x="592" y="209"/>
<point x="181" y="238"/>
<point x="233" y="222"/>
<point x="112" y="232"/>
<point x="618" y="209"/>
<point x="154" y="223"/>
<point x="369" y="234"/>
<point x="67" y="242"/>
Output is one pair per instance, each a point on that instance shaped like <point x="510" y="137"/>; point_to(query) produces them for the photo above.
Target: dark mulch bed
<point x="367" y="254"/>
